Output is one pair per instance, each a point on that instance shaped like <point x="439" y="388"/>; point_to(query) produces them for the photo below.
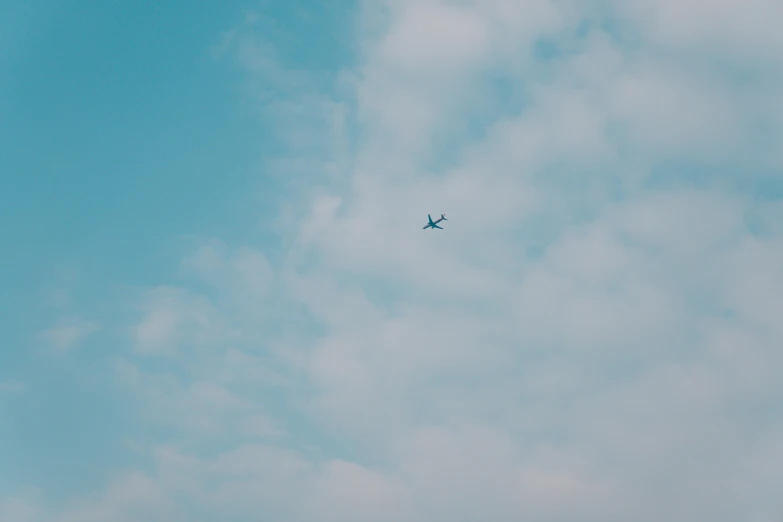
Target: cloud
<point x="594" y="335"/>
<point x="742" y="32"/>
<point x="11" y="387"/>
<point x="205" y="407"/>
<point x="175" y="319"/>
<point x="242" y="272"/>
<point x="21" y="509"/>
<point x="69" y="334"/>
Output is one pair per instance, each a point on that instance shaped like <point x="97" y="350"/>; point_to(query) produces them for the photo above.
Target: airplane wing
<point x="436" y="226"/>
<point x="430" y="218"/>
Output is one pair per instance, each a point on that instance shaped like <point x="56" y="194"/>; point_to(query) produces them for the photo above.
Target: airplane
<point x="434" y="224"/>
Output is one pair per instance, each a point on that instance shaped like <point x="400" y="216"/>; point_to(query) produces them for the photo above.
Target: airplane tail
<point x="443" y="217"/>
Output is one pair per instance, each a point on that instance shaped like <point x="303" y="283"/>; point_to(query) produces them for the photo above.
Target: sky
<point x="218" y="302"/>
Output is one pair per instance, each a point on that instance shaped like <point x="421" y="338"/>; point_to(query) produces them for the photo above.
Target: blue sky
<point x="218" y="302"/>
<point x="122" y="134"/>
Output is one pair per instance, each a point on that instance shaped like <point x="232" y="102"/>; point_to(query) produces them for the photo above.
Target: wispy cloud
<point x="11" y="387"/>
<point x="69" y="334"/>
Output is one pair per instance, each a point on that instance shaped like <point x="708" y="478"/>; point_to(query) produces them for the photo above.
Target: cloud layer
<point x="594" y="336"/>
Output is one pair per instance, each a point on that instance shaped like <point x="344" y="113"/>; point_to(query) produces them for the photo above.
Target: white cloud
<point x="175" y="319"/>
<point x="69" y="334"/>
<point x="742" y="31"/>
<point x="204" y="407"/>
<point x="128" y="499"/>
<point x="604" y="341"/>
<point x="430" y="35"/>
<point x="21" y="509"/>
<point x="242" y="272"/>
<point x="11" y="387"/>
